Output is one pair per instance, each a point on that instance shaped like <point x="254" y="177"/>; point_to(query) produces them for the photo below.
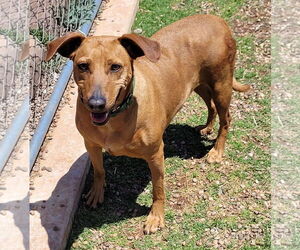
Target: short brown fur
<point x="196" y="53"/>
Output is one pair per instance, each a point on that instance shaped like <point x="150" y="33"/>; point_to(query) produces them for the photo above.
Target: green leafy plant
<point x="76" y="14"/>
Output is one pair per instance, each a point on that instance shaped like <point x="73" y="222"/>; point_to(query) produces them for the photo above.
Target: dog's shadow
<point x="126" y="179"/>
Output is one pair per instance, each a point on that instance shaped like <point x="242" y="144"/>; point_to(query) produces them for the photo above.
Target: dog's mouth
<point x="102" y="118"/>
<point x="99" y="118"/>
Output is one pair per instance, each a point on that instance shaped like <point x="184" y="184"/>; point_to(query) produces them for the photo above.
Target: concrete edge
<point x="86" y="167"/>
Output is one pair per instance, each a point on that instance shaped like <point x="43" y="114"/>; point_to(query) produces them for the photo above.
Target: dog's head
<point x="103" y="67"/>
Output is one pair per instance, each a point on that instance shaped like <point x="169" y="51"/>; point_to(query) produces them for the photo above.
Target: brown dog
<point x="131" y="87"/>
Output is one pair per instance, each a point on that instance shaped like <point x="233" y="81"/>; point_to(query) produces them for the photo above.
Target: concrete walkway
<point x="56" y="188"/>
<point x="14" y="200"/>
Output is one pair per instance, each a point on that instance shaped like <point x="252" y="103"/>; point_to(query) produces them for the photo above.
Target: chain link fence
<point x="26" y="26"/>
<point x="49" y="19"/>
<point x="14" y="76"/>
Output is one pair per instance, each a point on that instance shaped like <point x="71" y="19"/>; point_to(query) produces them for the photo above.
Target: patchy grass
<point x="208" y="206"/>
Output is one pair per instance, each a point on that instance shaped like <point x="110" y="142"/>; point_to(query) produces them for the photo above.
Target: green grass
<point x="201" y="199"/>
<point x="153" y="15"/>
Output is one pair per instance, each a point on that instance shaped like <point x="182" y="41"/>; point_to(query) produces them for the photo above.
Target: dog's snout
<point x="97" y="103"/>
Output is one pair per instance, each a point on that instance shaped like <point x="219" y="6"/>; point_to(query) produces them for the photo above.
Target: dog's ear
<point x="137" y="46"/>
<point x="64" y="45"/>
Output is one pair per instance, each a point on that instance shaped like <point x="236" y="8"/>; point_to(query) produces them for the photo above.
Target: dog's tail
<point x="239" y="87"/>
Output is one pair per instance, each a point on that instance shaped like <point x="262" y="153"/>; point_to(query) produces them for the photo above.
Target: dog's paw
<point x="204" y="130"/>
<point x="214" y="156"/>
<point x="154" y="222"/>
<point x="95" y="195"/>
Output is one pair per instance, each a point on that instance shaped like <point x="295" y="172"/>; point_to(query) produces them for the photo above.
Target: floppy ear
<point x="64" y="45"/>
<point x="24" y="53"/>
<point x="137" y="46"/>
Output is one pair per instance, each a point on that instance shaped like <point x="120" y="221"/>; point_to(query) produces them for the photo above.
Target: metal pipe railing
<point x="13" y="133"/>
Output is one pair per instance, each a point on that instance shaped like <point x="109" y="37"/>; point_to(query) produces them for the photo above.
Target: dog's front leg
<point x="155" y="219"/>
<point x="96" y="193"/>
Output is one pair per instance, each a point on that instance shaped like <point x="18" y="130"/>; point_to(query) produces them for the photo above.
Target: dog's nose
<point x="97" y="104"/>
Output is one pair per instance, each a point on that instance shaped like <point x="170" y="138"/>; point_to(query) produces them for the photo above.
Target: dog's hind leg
<point x="222" y="91"/>
<point x="96" y="193"/>
<point x="205" y="92"/>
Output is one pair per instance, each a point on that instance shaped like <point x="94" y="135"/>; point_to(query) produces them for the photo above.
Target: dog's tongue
<point x="99" y="117"/>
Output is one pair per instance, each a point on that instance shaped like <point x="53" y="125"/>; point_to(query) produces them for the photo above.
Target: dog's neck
<point x="126" y="102"/>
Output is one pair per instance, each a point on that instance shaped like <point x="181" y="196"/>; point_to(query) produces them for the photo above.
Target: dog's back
<point x="188" y="47"/>
<point x="204" y="36"/>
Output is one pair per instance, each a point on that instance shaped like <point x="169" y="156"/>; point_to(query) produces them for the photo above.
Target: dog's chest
<point x="114" y="148"/>
<point x="119" y="147"/>
<point x="117" y="144"/>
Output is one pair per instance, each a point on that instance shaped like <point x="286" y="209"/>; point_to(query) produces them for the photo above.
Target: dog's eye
<point x="83" y="66"/>
<point x="115" y="67"/>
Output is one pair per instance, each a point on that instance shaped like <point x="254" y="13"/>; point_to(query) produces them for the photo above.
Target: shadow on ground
<point x="126" y="178"/>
